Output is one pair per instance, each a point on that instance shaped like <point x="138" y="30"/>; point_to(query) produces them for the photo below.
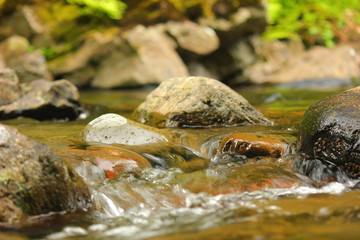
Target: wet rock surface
<point x="44" y="100"/>
<point x="252" y="146"/>
<point x="113" y="128"/>
<point x="34" y="180"/>
<point x="113" y="161"/>
<point x="330" y="131"/>
<point x="196" y="102"/>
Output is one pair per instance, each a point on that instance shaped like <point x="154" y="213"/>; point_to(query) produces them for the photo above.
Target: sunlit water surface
<point x="207" y="195"/>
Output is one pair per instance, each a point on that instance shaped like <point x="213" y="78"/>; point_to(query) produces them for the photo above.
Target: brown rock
<point x="114" y="161"/>
<point x="252" y="146"/>
<point x="145" y="56"/>
<point x="193" y="37"/>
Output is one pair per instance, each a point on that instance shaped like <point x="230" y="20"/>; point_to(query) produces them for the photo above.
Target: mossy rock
<point x="35" y="180"/>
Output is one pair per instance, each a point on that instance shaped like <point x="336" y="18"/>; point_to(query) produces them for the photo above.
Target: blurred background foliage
<point x="324" y="22"/>
<point x="315" y="22"/>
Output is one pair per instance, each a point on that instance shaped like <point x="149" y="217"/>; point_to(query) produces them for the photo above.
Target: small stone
<point x="193" y="37"/>
<point x="113" y="161"/>
<point x="252" y="146"/>
<point x="113" y="128"/>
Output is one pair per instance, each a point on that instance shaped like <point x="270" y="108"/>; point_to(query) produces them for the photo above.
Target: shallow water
<point x="196" y="193"/>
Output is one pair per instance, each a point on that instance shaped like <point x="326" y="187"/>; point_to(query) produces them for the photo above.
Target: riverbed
<point x="203" y="195"/>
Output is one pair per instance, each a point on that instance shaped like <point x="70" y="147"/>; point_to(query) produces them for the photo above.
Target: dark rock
<point x="34" y="180"/>
<point x="44" y="100"/>
<point x="196" y="102"/>
<point x="145" y="56"/>
<point x="330" y="131"/>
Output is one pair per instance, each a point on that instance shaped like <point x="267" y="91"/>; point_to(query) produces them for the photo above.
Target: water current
<point x="193" y="192"/>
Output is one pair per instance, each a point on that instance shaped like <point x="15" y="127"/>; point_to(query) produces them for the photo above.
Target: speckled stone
<point x="113" y="128"/>
<point x="196" y="102"/>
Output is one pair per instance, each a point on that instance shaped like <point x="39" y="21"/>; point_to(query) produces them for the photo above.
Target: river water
<point x="196" y="193"/>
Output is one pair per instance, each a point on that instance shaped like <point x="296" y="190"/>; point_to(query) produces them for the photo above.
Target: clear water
<point x="197" y="193"/>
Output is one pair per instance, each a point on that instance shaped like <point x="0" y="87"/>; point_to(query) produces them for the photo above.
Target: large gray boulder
<point x="330" y="131"/>
<point x="196" y="102"/>
<point x="34" y="180"/>
<point x="45" y="100"/>
<point x="144" y="56"/>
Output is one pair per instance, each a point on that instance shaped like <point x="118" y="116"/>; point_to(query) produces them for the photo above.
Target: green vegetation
<point x="114" y="9"/>
<point x="324" y="22"/>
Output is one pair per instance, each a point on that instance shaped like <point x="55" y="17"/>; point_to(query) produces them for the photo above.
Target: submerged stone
<point x="113" y="161"/>
<point x="35" y="180"/>
<point x="44" y="100"/>
<point x="256" y="174"/>
<point x="113" y="128"/>
<point x="330" y="131"/>
<point x="252" y="146"/>
<point x="196" y="102"/>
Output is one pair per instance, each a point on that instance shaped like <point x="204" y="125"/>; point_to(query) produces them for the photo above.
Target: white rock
<point x="113" y="128"/>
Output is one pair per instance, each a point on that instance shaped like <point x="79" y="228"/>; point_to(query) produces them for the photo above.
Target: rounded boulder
<point x="330" y="131"/>
<point x="196" y="102"/>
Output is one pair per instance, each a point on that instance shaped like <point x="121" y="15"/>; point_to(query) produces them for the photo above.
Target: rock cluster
<point x="39" y="99"/>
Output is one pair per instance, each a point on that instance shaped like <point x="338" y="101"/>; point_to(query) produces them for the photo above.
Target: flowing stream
<point x="193" y="192"/>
